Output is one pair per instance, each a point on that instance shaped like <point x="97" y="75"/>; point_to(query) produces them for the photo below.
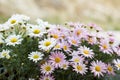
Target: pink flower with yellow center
<point x="98" y="68"/>
<point x="77" y="59"/>
<point x="86" y="52"/>
<point x="47" y="68"/>
<point x="57" y="59"/>
<point x="74" y="40"/>
<point x="110" y="69"/>
<point x="80" y="68"/>
<point x="47" y="77"/>
<point x="105" y="46"/>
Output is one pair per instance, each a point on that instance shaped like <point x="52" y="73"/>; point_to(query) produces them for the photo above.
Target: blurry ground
<point x="105" y="13"/>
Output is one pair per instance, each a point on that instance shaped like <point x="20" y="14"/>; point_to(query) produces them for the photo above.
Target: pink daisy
<point x="57" y="58"/>
<point x="80" y="68"/>
<point x="65" y="46"/>
<point x="98" y="68"/>
<point x="105" y="47"/>
<point x="86" y="52"/>
<point x="47" y="68"/>
<point x="117" y="50"/>
<point x="110" y="69"/>
<point x="74" y="40"/>
<point x="47" y="77"/>
<point x="77" y="59"/>
<point x="65" y="65"/>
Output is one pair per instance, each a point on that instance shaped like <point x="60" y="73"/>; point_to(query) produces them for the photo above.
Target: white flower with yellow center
<point x="47" y="68"/>
<point x="47" y="44"/>
<point x="13" y="40"/>
<point x="117" y="63"/>
<point x="15" y="19"/>
<point x="5" y="54"/>
<point x="86" y="52"/>
<point x="35" y="31"/>
<point x="35" y="56"/>
<point x="80" y="68"/>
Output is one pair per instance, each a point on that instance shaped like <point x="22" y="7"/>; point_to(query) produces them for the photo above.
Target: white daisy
<point x="35" y="31"/>
<point x="47" y="77"/>
<point x="5" y="54"/>
<point x="80" y="68"/>
<point x="47" y="68"/>
<point x="4" y="27"/>
<point x="117" y="63"/>
<point x="87" y="52"/>
<point x="47" y="44"/>
<point x="13" y="40"/>
<point x="35" y="56"/>
<point x="15" y="19"/>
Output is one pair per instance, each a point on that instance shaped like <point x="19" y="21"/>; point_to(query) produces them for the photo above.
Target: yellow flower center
<point x="110" y="68"/>
<point x="98" y="68"/>
<point x="57" y="59"/>
<point x="90" y="40"/>
<point x="55" y="36"/>
<point x="4" y="54"/>
<point x="13" y="21"/>
<point x="65" y="47"/>
<point x="36" y="56"/>
<point x="74" y="41"/>
<point x="57" y="46"/>
<point x="79" y="67"/>
<point x="36" y="31"/>
<point x="46" y="79"/>
<point x="78" y="32"/>
<point x="47" y="68"/>
<point x="64" y="65"/>
<point x="76" y="60"/>
<point x="118" y="65"/>
<point x="105" y="46"/>
<point x="47" y="43"/>
<point x="86" y="52"/>
<point x="13" y="40"/>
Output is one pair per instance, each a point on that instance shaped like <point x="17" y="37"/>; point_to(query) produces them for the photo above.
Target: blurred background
<point x="105" y="13"/>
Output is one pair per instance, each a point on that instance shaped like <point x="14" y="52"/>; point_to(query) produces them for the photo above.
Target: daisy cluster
<point x="72" y="51"/>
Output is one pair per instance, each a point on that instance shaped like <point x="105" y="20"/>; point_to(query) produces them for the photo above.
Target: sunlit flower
<point x="35" y="56"/>
<point x="47" y="68"/>
<point x="80" y="68"/>
<point x="5" y="54"/>
<point x="57" y="59"/>
<point x="98" y="68"/>
<point x="13" y="40"/>
<point x="47" y="44"/>
<point x="87" y="52"/>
